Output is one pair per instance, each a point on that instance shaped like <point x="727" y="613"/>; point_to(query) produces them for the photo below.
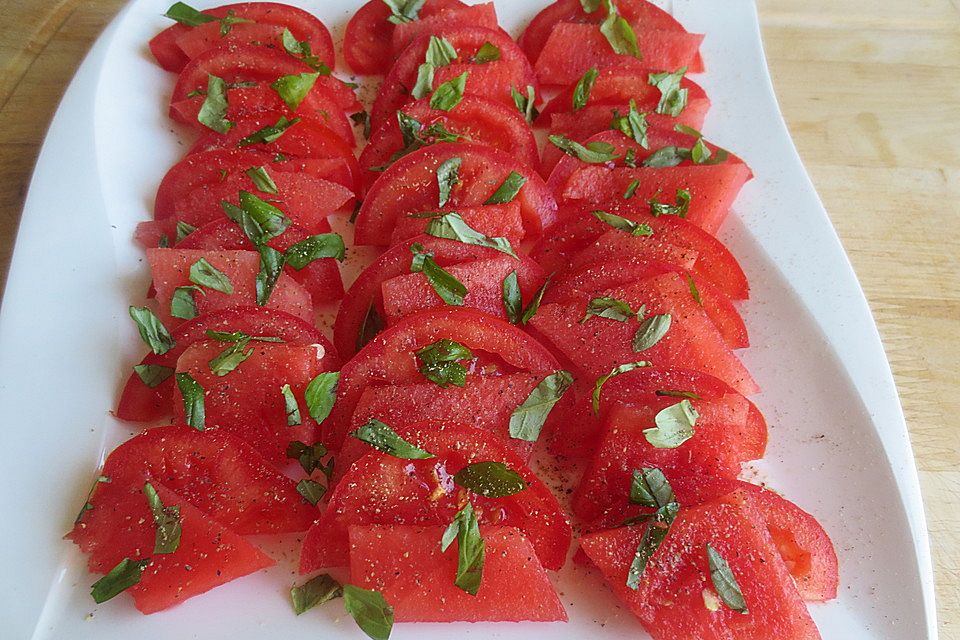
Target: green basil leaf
<point x="193" y="405"/>
<point x="311" y="490"/>
<point x="294" y="88"/>
<point x="450" y="290"/>
<point x="589" y="6"/>
<point x="260" y="220"/>
<point x="163" y="242"/>
<point x="512" y="302"/>
<point x="187" y="15"/>
<point x="676" y="393"/>
<point x="313" y="592"/>
<point x="152" y="330"/>
<point x="309" y="456"/>
<point x="470" y="549"/>
<point x="593" y="153"/>
<point x="227" y="22"/>
<point x="213" y="111"/>
<point x="362" y="119"/>
<point x="123" y="576"/>
<point x="404" y="10"/>
<point x="448" y="176"/>
<point x="424" y="84"/>
<point x="630" y="159"/>
<point x="633" y="125"/>
<point x="290" y="406"/>
<point x="700" y="153"/>
<point x="619" y="33"/>
<point x="449" y="94"/>
<point x="167" y="521"/>
<point x="610" y="308"/>
<point x="323" y="245"/>
<point x="650" y="488"/>
<point x="441" y="362"/>
<point x="262" y="180"/>
<point x="440" y="52"/>
<point x="490" y="479"/>
<point x="489" y="52"/>
<point x="370" y="611"/>
<point x="526" y="104"/>
<point x="372" y="325"/>
<point x="675" y="425"/>
<point x="271" y="266"/>
<point x="302" y="51"/>
<point x="452" y="227"/>
<point x="631" y="190"/>
<point x="673" y="99"/>
<point x="617" y="370"/>
<point x="206" y="275"/>
<point x="680" y="209"/>
<point x="152" y="375"/>
<point x="623" y="224"/>
<point x="268" y="133"/>
<point x="724" y="581"/>
<point x="508" y="190"/>
<point x="534" y="305"/>
<point x="183" y="303"/>
<point x="231" y="357"/>
<point x="416" y="137"/>
<point x="693" y="290"/>
<point x="651" y="331"/>
<point x="239" y="336"/>
<point x="380" y="436"/>
<point x="321" y="394"/>
<point x="184" y="229"/>
<point x="653" y="536"/>
<point x="666" y="157"/>
<point x="87" y="506"/>
<point x="528" y="419"/>
<point x="581" y="93"/>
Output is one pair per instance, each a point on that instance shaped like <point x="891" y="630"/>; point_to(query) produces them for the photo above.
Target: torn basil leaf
<point x="193" y="407"/>
<point x="724" y="581"/>
<point x="449" y="94"/>
<point x="589" y="6"/>
<point x="617" y="370"/>
<point x="123" y="576"/>
<point x="372" y="325"/>
<point x="450" y="290"/>
<point x="260" y="220"/>
<point x="184" y="229"/>
<point x="673" y="99"/>
<point x="440" y="52"/>
<point x="452" y="227"/>
<point x="490" y="479"/>
<point x="470" y="549"/>
<point x="231" y="357"/>
<point x="271" y="266"/>
<point x="239" y="336"/>
<point x="152" y="375"/>
<point x="322" y="245"/>
<point x="268" y="133"/>
<point x="416" y="137"/>
<point x="619" y="33"/>
<point x="694" y="292"/>
<point x="424" y="84"/>
<point x="650" y="488"/>
<point x="666" y="157"/>
<point x="528" y="419"/>
<point x="166" y="519"/>
<point x="302" y="51"/>
<point x="593" y="153"/>
<point x="534" y="305"/>
<point x="489" y="52"/>
<point x="677" y="393"/>
<point x="206" y="275"/>
<point x="213" y="111"/>
<point x="152" y="330"/>
<point x="512" y="302"/>
<point x="581" y="93"/>
<point x="86" y="505"/>
<point x="321" y="394"/>
<point x="508" y="190"/>
<point x="402" y="11"/>
<point x="290" y="406"/>
<point x="448" y="176"/>
<point x="311" y="490"/>
<point x="631" y="190"/>
<point x="294" y="88"/>
<point x="651" y="331"/>
<point x="380" y="436"/>
<point x="680" y="209"/>
<point x="610" y="308"/>
<point x="623" y="224"/>
<point x="526" y="104"/>
<point x="183" y="303"/>
<point x="309" y="456"/>
<point x="313" y="592"/>
<point x="441" y="362"/>
<point x="675" y="425"/>
<point x="633" y="125"/>
<point x="653" y="536"/>
<point x="187" y="15"/>
<point x="369" y="610"/>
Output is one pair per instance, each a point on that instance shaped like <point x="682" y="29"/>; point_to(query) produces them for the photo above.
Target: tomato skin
<point x="406" y="565"/>
<point x="381" y="489"/>
<point x="478" y="15"/>
<point x="140" y="403"/>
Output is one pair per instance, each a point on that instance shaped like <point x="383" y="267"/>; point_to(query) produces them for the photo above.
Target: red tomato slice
<point x="247" y="401"/>
<point x="367" y="43"/>
<point x="410" y="186"/>
<point x="400" y="561"/>
<point x="381" y="489"/>
<point x="477" y="119"/>
<point x="164" y="48"/>
<point x="140" y="403"/>
<point x="389" y="357"/>
<point x="491" y="80"/>
<point x="171" y="269"/>
<point x="120" y="525"/>
<point x="670" y="599"/>
<point x="220" y="475"/>
<point x="492" y="220"/>
<point x="478" y="15"/>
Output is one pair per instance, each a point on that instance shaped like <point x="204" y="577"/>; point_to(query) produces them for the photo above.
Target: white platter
<point x="838" y="443"/>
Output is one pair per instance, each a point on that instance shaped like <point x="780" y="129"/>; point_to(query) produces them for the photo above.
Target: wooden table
<point x="871" y="91"/>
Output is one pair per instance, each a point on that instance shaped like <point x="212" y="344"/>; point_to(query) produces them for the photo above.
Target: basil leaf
<point x="630" y="159"/>
<point x="313" y="592"/>
<point x="309" y="456"/>
<point x="452" y="227"/>
<point x="593" y="153"/>
<point x="152" y="375"/>
<point x="617" y="370"/>
<point x="650" y="488"/>
<point x="619" y="33"/>
<point x="666" y="157"/>
<point x="403" y="10"/>
<point x="370" y="611"/>
<point x="260" y="220"/>
<point x="163" y="242"/>
<point x="589" y="6"/>
<point x="290" y="406"/>
<point x="693" y="289"/>
<point x="700" y="153"/>
<point x="490" y="479"/>
<point x="724" y="582"/>
<point x="675" y="425"/>
<point x="581" y="93"/>
<point x="653" y="536"/>
<point x="633" y="125"/>
<point x="86" y="505"/>
<point x="534" y="305"/>
<point x="424" y="84"/>
<point x="526" y="104"/>
<point x="323" y="245"/>
<point x="372" y="325"/>
<point x="239" y="336"/>
<point x="183" y="304"/>
<point x="167" y="521"/>
<point x="450" y="290"/>
<point x="152" y="330"/>
<point x="512" y="302"/>
<point x="415" y="137"/>
<point x="673" y="99"/>
<point x="631" y="190"/>
<point x="508" y="190"/>
<point x="193" y="394"/>
<point x="184" y="229"/>
<point x="676" y="393"/>
<point x="187" y="15"/>
<point x="362" y="119"/>
<point x="123" y="576"/>
<point x="651" y="331"/>
<point x="294" y="88"/>
<point x="311" y="490"/>
<point x="440" y="52"/>
<point x="227" y="22"/>
<point x="489" y="52"/>
<point x="213" y="111"/>
<point x="231" y="357"/>
<point x="448" y="176"/>
<point x="610" y="308"/>
<point x="380" y="436"/>
<point x="262" y="180"/>
<point x="321" y="394"/>
<point x="687" y="130"/>
<point x="449" y="94"/>
<point x="271" y="266"/>
<point x="302" y="51"/>
<point x="623" y="224"/>
<point x="528" y="419"/>
<point x="441" y="362"/>
<point x="206" y="275"/>
<point x="470" y="548"/>
<point x="268" y="133"/>
<point x="680" y="209"/>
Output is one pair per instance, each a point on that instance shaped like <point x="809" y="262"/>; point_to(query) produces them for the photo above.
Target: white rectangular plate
<point x="838" y="443"/>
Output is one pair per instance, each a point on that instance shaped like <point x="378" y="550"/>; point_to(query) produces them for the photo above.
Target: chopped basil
<point x="187" y="15"/>
<point x="623" y="224"/>
<point x="313" y="592"/>
<point x="238" y="336"/>
<point x="534" y="305"/>
<point x="163" y="242"/>
<point x="610" y="308"/>
<point x="448" y="176"/>
<point x="512" y="302"/>
<point x="302" y="51"/>
<point x="619" y="33"/>
<point x="294" y="88"/>
<point x="651" y="331"/>
<point x="470" y="549"/>
<point x="450" y="290"/>
<point x="206" y="275"/>
<point x="424" y="84"/>
<point x="631" y="190"/>
<point x="167" y="521"/>
<point x="630" y="159"/>
<point x="152" y="330"/>
<point x="321" y="394"/>
<point x="260" y="220"/>
<point x="440" y="52"/>
<point x="311" y="490"/>
<point x="673" y="99"/>
<point x="617" y="370"/>
<point x="309" y="456"/>
<point x="227" y="22"/>
<point x="596" y="152"/>
<point x="589" y="6"/>
<point x="581" y="93"/>
<point x="231" y="357"/>
<point x="269" y="133"/>
<point x="676" y="393"/>
<point x="724" y="581"/>
<point x="123" y="576"/>
<point x="700" y="153"/>
<point x="490" y="479"/>
<point x="372" y="325"/>
<point x="675" y="425"/>
<point x="262" y="180"/>
<point x="213" y="111"/>
<point x="526" y="104"/>
<point x="441" y="362"/>
<point x="362" y="119"/>
<point x="152" y="375"/>
<point x="489" y="52"/>
<point x="693" y="289"/>
<point x="666" y="157"/>
<point x="271" y="266"/>
<point x="380" y="436"/>
<point x="323" y="245"/>
<point x="370" y="611"/>
<point x="653" y="536"/>
<point x="528" y="419"/>
<point x="416" y="137"/>
<point x="650" y="488"/>
<point x="184" y="229"/>
<point x="183" y="303"/>
<point x="680" y="209"/>
<point x="633" y="125"/>
<point x="452" y="227"/>
<point x="290" y="406"/>
<point x="403" y="10"/>
<point x="87" y="506"/>
<point x="192" y="393"/>
<point x="449" y="94"/>
<point x="508" y="190"/>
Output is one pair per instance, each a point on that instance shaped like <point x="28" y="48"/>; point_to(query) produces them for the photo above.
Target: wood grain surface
<point x="871" y="93"/>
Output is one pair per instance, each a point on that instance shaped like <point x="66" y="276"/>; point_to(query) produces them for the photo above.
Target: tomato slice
<point x="478" y="15"/>
<point x="140" y="403"/>
<point x="399" y="561"/>
<point x="492" y="220"/>
<point x="410" y="186"/>
<point x="389" y="357"/>
<point x="381" y="489"/>
<point x="120" y="525"/>
<point x="670" y="599"/>
<point x="477" y="119"/>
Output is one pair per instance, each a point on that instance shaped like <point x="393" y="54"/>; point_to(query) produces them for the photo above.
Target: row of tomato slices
<point x="385" y="515"/>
